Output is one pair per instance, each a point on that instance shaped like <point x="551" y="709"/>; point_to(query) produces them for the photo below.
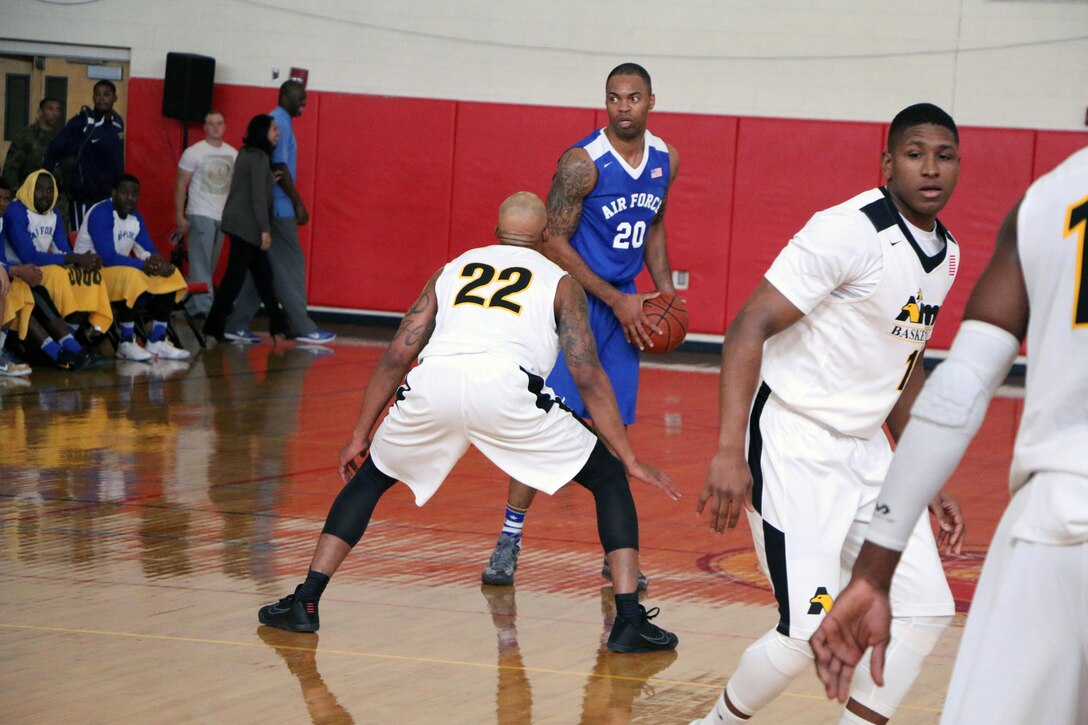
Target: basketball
<point x="668" y="313"/>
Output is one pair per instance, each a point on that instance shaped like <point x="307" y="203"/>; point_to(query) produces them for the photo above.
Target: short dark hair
<point x="917" y="115"/>
<point x="108" y="84"/>
<point x="290" y="85"/>
<point x="631" y="69"/>
<point x="41" y="103"/>
<point x="4" y="184"/>
<point x="257" y="134"/>
<point x="214" y="112"/>
<point x="123" y="178"/>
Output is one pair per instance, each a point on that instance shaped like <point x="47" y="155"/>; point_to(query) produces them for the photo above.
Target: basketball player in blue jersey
<point x="606" y="212"/>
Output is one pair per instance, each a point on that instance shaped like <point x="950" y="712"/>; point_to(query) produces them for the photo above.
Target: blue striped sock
<point x="128" y="331"/>
<point x="158" y="331"/>
<point x="51" y="348"/>
<point x="69" y="343"/>
<point x="515" y="519"/>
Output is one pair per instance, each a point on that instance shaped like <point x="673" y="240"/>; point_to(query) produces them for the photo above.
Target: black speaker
<point x="187" y="92"/>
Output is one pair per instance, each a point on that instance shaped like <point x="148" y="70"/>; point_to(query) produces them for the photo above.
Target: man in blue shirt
<point x="606" y="212"/>
<point x="285" y="254"/>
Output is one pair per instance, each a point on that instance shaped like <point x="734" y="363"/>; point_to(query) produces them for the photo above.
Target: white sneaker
<point x="165" y="349"/>
<point x="131" y="350"/>
<point x="10" y="367"/>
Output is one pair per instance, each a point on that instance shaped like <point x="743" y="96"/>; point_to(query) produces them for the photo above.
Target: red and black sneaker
<point x="291" y="613"/>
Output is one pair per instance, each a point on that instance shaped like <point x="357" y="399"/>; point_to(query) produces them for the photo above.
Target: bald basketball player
<point x="487" y="329"/>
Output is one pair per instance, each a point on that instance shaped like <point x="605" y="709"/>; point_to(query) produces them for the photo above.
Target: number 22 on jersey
<point x="480" y="278"/>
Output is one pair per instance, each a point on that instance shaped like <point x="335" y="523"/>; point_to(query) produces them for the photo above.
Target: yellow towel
<point x="124" y="283"/>
<point x="17" y="306"/>
<point x="76" y="290"/>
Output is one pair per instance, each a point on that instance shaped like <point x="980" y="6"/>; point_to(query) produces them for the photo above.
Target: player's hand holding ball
<point x="669" y="314"/>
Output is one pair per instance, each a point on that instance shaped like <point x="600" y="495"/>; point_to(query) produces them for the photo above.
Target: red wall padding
<point x="398" y="186"/>
<point x="382" y="205"/>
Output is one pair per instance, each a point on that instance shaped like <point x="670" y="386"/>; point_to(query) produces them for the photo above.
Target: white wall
<point x="988" y="62"/>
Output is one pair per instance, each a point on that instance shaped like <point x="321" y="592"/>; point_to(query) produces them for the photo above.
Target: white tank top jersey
<point x="498" y="300"/>
<point x="871" y="295"/>
<point x="1052" y="236"/>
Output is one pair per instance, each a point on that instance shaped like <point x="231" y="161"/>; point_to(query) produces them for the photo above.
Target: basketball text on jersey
<point x="634" y="201"/>
<point x="915" y="312"/>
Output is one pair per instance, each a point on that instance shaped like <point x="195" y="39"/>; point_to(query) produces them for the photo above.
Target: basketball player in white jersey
<point x="1022" y="658"/>
<point x="487" y="329"/>
<point x="823" y="354"/>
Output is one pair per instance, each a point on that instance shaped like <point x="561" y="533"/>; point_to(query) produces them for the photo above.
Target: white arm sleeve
<point x="944" y="419"/>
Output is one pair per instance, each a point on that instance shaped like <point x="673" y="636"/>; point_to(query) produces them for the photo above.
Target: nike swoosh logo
<point x="661" y="638"/>
<point x="608" y="164"/>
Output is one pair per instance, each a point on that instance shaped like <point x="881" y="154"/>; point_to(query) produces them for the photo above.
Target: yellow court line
<point x="403" y="658"/>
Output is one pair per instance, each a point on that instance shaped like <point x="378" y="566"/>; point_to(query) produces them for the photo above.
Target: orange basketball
<point x="668" y="313"/>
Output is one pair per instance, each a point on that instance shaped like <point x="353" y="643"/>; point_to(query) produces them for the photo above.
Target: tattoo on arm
<point x="416" y="327"/>
<point x="568" y="190"/>
<point x="575" y="337"/>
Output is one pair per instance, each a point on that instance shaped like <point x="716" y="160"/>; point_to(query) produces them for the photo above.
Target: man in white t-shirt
<point x="820" y="359"/>
<point x="204" y="172"/>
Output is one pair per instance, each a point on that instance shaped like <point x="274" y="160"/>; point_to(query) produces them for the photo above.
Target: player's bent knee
<point x="354" y="505"/>
<point x="766" y="669"/>
<point x="617" y="520"/>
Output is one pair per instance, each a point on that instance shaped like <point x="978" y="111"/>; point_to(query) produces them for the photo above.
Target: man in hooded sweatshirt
<point x="67" y="286"/>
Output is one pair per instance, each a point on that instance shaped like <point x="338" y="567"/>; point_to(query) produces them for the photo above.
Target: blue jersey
<point x="616" y="214"/>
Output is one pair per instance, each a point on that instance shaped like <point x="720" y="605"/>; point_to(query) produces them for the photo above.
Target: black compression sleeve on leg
<point x="354" y="505"/>
<point x="160" y="306"/>
<point x="617" y="522"/>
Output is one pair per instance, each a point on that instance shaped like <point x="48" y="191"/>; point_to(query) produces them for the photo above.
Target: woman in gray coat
<point x="247" y="220"/>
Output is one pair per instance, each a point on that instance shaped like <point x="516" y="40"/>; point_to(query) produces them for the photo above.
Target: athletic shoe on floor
<point x="606" y="572"/>
<point x="12" y="367"/>
<point x="131" y="350"/>
<point x="318" y="336"/>
<point x="640" y="636"/>
<point x="247" y="336"/>
<point x="500" y="568"/>
<point x="290" y="613"/>
<point x="165" y="349"/>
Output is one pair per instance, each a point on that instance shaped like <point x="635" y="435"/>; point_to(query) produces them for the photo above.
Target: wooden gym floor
<point x="147" y="511"/>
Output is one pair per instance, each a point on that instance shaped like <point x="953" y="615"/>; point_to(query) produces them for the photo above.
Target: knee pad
<point x="913" y="638"/>
<point x="617" y="520"/>
<point x="766" y="669"/>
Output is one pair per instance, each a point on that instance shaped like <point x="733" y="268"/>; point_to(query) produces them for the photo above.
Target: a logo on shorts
<point x="821" y="602"/>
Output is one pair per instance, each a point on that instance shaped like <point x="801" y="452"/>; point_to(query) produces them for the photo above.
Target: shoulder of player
<point x="840" y="227"/>
<point x="576" y="170"/>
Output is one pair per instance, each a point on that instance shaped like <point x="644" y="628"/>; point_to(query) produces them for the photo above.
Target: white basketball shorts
<point x="448" y="402"/>
<point x="1022" y="658"/>
<point x="814" y="492"/>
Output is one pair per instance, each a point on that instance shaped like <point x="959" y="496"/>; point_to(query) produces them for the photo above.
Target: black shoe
<point x="291" y="613"/>
<point x="641" y="636"/>
<point x="68" y="360"/>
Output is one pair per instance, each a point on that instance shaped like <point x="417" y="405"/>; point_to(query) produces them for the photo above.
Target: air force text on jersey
<point x="640" y="200"/>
